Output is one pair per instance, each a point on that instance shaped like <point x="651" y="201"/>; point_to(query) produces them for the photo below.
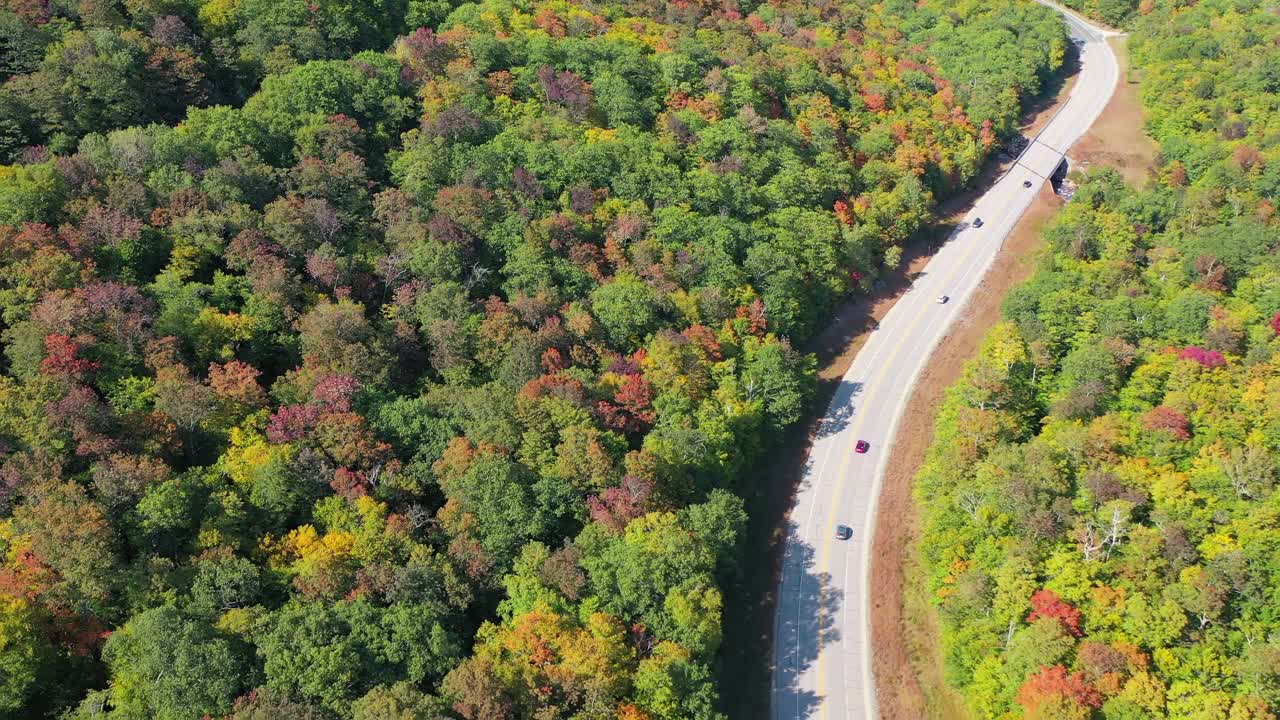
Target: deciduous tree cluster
<point x="402" y="359"/>
<point x="1101" y="536"/>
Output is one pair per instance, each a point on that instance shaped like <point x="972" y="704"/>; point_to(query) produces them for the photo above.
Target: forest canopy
<point x="407" y="359"/>
<point x="1102" y="521"/>
<point x="1115" y="13"/>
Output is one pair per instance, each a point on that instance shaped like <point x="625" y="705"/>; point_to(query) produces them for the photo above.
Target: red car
<point x="861" y="446"/>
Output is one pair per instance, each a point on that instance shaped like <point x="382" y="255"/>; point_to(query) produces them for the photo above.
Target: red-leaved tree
<point x="1207" y="358"/>
<point x="1047" y="604"/>
<point x="617" y="506"/>
<point x="1055" y="683"/>
<point x="61" y="358"/>
<point x="1167" y="419"/>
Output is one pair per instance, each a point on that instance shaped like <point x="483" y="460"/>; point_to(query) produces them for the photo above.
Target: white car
<point x="942" y="299"/>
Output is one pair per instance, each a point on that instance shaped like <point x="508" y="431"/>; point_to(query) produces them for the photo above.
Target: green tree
<point x="165" y="665"/>
<point x="24" y="655"/>
<point x="628" y="309"/>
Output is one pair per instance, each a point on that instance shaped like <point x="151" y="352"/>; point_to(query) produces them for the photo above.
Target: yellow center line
<point x="831" y="516"/>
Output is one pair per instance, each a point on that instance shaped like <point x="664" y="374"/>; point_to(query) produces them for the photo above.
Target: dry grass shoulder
<point x="908" y="671"/>
<point x="903" y="626"/>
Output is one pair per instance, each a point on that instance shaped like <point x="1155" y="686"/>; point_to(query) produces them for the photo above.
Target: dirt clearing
<point x="1118" y="138"/>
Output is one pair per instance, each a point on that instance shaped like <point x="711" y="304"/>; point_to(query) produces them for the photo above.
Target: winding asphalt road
<point x="822" y="664"/>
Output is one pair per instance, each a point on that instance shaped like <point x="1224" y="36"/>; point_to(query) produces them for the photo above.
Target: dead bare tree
<point x="1090" y="541"/>
<point x="1117" y="529"/>
<point x="970" y="502"/>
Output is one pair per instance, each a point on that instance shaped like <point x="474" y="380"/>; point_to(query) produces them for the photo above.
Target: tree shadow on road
<point x="749" y="607"/>
<point x="810" y="606"/>
<point x="833" y="423"/>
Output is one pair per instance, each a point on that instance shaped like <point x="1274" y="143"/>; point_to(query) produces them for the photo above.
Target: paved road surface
<point x="821" y="654"/>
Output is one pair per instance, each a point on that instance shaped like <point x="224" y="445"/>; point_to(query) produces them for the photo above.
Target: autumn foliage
<point x="1104" y="474"/>
<point x="1047" y="604"/>
<point x="1169" y="420"/>
<point x="1055" y="683"/>
<point x="411" y="358"/>
<point x="1207" y="358"/>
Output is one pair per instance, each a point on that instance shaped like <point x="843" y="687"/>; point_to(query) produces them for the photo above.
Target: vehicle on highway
<point x="828" y="668"/>
<point x="1026" y="183"/>
<point x="844" y="532"/>
<point x="861" y="446"/>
